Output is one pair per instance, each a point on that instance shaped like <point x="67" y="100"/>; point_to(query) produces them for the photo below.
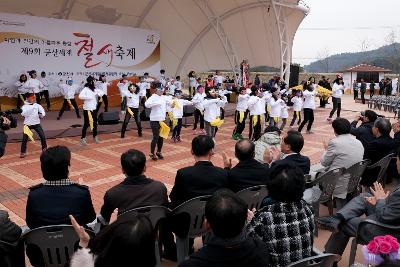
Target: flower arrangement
<point x="381" y="249"/>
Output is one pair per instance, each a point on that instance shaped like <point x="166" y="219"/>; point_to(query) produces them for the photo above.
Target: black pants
<point x="86" y="124"/>
<point x="123" y="103"/>
<point x="198" y="116"/>
<point x="322" y="102"/>
<point x="37" y="98"/>
<point x="177" y="129"/>
<point x="284" y="121"/>
<point x="355" y="92"/>
<point x="255" y="131"/>
<point x="363" y="96"/>
<point x="45" y="93"/>
<point x="222" y="113"/>
<point x="157" y="139"/>
<point x="239" y="125"/>
<point x="65" y="105"/>
<point x="192" y="91"/>
<point x="20" y="100"/>
<point x="38" y="129"/>
<point x="136" y="116"/>
<point x="295" y="117"/>
<point x="308" y="118"/>
<point x="371" y="92"/>
<point x="381" y="91"/>
<point x="337" y="105"/>
<point x="105" y="100"/>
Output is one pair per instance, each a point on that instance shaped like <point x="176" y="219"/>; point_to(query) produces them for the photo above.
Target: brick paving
<point x="98" y="166"/>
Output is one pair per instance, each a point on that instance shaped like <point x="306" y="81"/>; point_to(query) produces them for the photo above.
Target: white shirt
<point x="178" y="111"/>
<point x="178" y="85"/>
<point x="21" y="87"/>
<point x="69" y="91"/>
<point x="45" y="83"/>
<point x="275" y="105"/>
<point x="192" y="82"/>
<point x="132" y="99"/>
<point x="242" y="103"/>
<point x="143" y="86"/>
<point x="257" y="104"/>
<point x="197" y="100"/>
<point x="337" y="90"/>
<point x="123" y="87"/>
<point x="102" y="86"/>
<point x="212" y="108"/>
<point x="33" y="85"/>
<point x="169" y="99"/>
<point x="297" y="103"/>
<point x="158" y="105"/>
<point x="31" y="113"/>
<point x="309" y="99"/>
<point x="89" y="98"/>
<point x="284" y="110"/>
<point x="162" y="79"/>
<point x="218" y="79"/>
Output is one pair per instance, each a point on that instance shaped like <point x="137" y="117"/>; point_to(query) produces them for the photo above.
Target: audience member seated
<point x="201" y="179"/>
<point x="364" y="131"/>
<point x="125" y="242"/>
<point x="270" y="139"/>
<point x="379" y="206"/>
<point x="285" y="222"/>
<point x="10" y="256"/>
<point x="291" y="146"/>
<point x="136" y="190"/>
<point x="226" y="243"/>
<point x="342" y="151"/>
<point x="248" y="172"/>
<point x="382" y="146"/>
<point x="51" y="202"/>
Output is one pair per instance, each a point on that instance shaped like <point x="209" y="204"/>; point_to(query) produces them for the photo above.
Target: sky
<point x="338" y="26"/>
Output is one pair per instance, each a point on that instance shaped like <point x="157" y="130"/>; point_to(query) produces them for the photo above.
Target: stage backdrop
<point x="64" y="48"/>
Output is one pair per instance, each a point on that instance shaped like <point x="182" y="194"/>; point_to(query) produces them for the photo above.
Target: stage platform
<point x="70" y="125"/>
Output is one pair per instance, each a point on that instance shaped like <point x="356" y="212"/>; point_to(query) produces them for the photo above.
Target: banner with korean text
<point x="71" y="49"/>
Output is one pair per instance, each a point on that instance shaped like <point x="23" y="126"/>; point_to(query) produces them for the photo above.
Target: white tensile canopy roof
<point x="196" y="35"/>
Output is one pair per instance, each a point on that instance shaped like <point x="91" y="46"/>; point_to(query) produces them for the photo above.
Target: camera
<point x="9" y="115"/>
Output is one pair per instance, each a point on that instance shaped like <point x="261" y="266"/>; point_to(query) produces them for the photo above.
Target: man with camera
<point x="4" y="122"/>
<point x="364" y="131"/>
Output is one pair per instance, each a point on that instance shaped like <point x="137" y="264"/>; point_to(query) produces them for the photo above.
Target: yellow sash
<point x="164" y="131"/>
<point x="276" y="119"/>
<point x="217" y="122"/>
<point x="122" y="99"/>
<point x="241" y="116"/>
<point x="268" y="108"/>
<point x="297" y="115"/>
<point x="130" y="111"/>
<point x="90" y="119"/>
<point x="21" y="97"/>
<point x="176" y="104"/>
<point x="29" y="133"/>
<point x="255" y="120"/>
<point x="170" y="116"/>
<point x="70" y="104"/>
<point x="100" y="99"/>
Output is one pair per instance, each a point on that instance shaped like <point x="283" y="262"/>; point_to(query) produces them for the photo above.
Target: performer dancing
<point x="20" y="84"/>
<point x="199" y="109"/>
<point x="102" y="85"/>
<point x="32" y="113"/>
<point x="89" y="95"/>
<point x="337" y="92"/>
<point x="132" y="110"/>
<point x="241" y="113"/>
<point x="45" y="91"/>
<point x="212" y="110"/>
<point x="309" y="94"/>
<point x="275" y="107"/>
<point x="123" y="89"/>
<point x="34" y="85"/>
<point x="297" y="101"/>
<point x="69" y="90"/>
<point x="158" y="104"/>
<point x="177" y="112"/>
<point x="257" y="102"/>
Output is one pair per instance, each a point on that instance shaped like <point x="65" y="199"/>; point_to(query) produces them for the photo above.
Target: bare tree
<point x="323" y="56"/>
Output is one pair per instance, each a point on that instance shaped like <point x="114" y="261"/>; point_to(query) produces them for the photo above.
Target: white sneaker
<point x="96" y="140"/>
<point x="83" y="142"/>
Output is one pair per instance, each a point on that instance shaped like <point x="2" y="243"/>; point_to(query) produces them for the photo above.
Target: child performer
<point x="132" y="110"/>
<point x="178" y="84"/>
<point x="158" y="104"/>
<point x="34" y="85"/>
<point x="257" y="102"/>
<point x="297" y="101"/>
<point x="89" y="95"/>
<point x="20" y="84"/>
<point x="197" y="101"/>
<point x="192" y="83"/>
<point x="241" y="113"/>
<point x="177" y="112"/>
<point x="69" y="90"/>
<point x="309" y="94"/>
<point x="32" y="112"/>
<point x="102" y="85"/>
<point x="275" y="104"/>
<point x="284" y="112"/>
<point x="45" y="90"/>
<point x="143" y="85"/>
<point x="212" y="108"/>
<point x="123" y="89"/>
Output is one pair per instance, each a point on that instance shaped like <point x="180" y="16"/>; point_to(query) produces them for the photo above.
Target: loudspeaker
<point x="107" y="118"/>
<point x="294" y="75"/>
